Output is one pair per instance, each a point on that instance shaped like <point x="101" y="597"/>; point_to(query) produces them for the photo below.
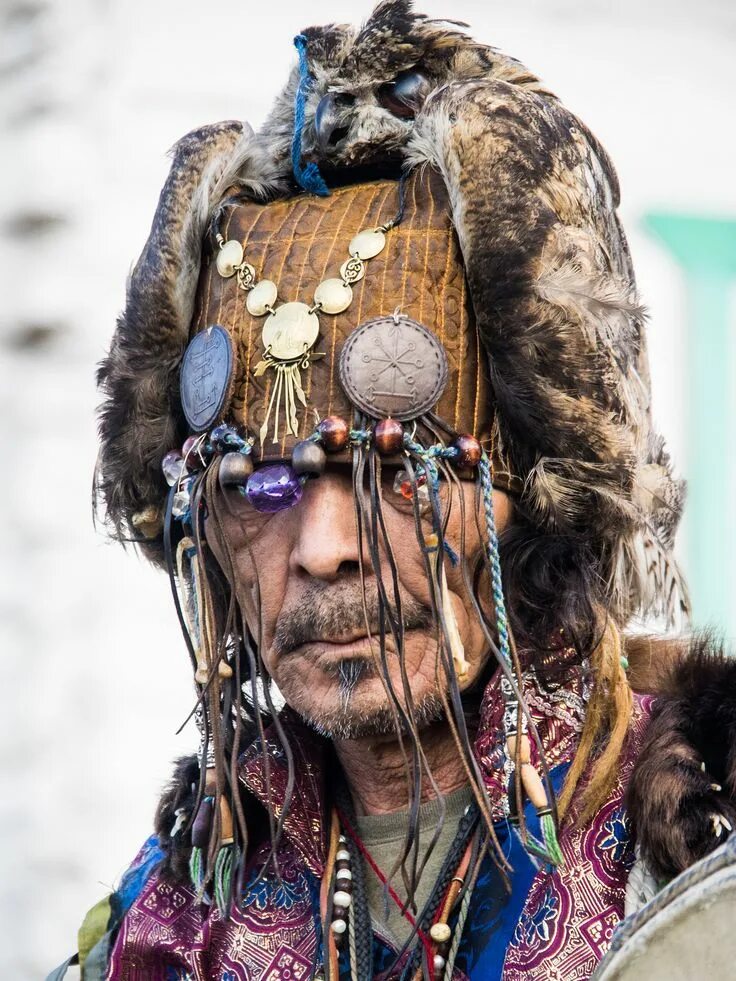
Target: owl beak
<point x="329" y="123"/>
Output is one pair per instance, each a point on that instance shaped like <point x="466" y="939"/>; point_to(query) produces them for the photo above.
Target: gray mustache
<point x="328" y="610"/>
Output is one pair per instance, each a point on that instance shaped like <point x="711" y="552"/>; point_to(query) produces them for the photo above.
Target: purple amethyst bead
<point x="273" y="488"/>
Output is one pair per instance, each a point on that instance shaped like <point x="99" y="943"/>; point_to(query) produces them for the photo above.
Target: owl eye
<point x="405" y="95"/>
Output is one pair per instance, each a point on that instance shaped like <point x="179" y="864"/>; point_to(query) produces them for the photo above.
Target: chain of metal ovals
<point x="332" y="296"/>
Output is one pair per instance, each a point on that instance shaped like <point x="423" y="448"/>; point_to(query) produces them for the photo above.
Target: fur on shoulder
<point x="682" y="794"/>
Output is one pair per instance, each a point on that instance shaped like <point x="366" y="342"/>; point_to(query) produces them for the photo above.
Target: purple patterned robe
<point x="558" y="923"/>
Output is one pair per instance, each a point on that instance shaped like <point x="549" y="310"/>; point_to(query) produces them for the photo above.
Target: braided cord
<point x="307" y="177"/>
<point x="502" y="623"/>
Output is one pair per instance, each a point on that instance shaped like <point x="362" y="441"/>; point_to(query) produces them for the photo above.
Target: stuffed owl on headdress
<point x="533" y="198"/>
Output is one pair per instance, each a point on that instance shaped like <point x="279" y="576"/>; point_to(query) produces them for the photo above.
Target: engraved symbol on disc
<point x="290" y="331"/>
<point x="205" y="376"/>
<point x="393" y="367"/>
<point x="353" y="269"/>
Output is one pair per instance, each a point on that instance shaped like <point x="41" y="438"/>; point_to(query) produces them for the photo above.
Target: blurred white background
<point x="92" y="94"/>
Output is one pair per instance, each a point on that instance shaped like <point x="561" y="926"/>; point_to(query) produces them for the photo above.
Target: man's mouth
<point x="346" y="646"/>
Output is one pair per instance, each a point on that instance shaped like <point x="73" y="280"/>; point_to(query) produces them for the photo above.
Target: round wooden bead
<point x="235" y="468"/>
<point x="261" y="298"/>
<point x="339" y="913"/>
<point x="389" y="437"/>
<point x="335" y="433"/>
<point x="440" y="933"/>
<point x="469" y="451"/>
<point x="309" y="458"/>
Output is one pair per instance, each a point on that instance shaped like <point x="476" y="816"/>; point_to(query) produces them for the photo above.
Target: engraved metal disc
<point x="333" y="295"/>
<point x="368" y="243"/>
<point x="229" y="256"/>
<point x="205" y="377"/>
<point x="393" y="367"/>
<point x="261" y="297"/>
<point x="290" y="331"/>
<point x="353" y="269"/>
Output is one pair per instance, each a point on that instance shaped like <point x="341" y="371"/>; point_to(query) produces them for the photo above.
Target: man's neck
<point x="376" y="773"/>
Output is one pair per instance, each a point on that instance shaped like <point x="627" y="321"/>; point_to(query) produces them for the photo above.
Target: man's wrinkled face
<point x="320" y="628"/>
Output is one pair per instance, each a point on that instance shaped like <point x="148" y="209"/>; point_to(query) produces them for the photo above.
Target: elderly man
<point x="379" y="404"/>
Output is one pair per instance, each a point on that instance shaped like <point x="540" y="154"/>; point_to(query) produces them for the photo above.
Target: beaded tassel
<point x="549" y="849"/>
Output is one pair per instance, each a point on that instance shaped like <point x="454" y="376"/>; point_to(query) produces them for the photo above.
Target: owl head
<point x="367" y="85"/>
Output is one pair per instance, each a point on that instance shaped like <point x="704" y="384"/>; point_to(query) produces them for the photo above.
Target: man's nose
<point x="327" y="534"/>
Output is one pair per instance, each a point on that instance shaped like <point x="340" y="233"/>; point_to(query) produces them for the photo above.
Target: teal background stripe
<point x="705" y="248"/>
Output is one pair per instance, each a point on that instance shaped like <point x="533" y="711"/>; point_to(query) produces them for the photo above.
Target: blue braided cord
<point x="360" y="435"/>
<point x="451" y="554"/>
<point x="429" y="466"/>
<point x="502" y="622"/>
<point x="307" y="177"/>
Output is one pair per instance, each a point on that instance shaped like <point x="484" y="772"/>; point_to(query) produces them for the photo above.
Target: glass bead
<point x="273" y="488"/>
<point x="182" y="501"/>
<point x="403" y="486"/>
<point x="221" y="434"/>
<point x="173" y="467"/>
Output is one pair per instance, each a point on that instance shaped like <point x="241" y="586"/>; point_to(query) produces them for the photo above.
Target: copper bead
<point x="235" y="468"/>
<point x="335" y="433"/>
<point x="389" y="437"/>
<point x="469" y="451"/>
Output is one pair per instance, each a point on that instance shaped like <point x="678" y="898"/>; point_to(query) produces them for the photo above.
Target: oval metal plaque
<point x="205" y="377"/>
<point x="393" y="366"/>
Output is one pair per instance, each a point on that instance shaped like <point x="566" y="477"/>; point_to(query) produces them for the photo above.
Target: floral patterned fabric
<point x="555" y="924"/>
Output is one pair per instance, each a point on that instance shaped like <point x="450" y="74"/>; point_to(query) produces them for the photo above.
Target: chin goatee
<point x="350" y="673"/>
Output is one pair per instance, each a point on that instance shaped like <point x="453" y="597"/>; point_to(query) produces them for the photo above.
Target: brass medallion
<point x="289" y="334"/>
